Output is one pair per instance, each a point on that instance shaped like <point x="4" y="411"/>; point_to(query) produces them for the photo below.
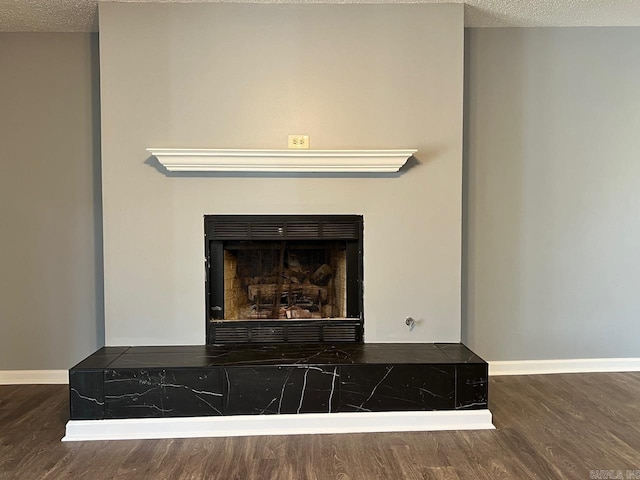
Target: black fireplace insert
<point x="284" y="278"/>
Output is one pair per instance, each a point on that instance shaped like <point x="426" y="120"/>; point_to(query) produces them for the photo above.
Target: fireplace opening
<point x="284" y="278"/>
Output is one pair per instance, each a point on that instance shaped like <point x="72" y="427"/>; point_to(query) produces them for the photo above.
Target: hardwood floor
<point x="548" y="427"/>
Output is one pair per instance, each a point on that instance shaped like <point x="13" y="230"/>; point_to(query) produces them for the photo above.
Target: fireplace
<point x="284" y="278"/>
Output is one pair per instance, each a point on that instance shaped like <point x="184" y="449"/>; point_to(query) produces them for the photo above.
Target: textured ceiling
<point x="81" y="15"/>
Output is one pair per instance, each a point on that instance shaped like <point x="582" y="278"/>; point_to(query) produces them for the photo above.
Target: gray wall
<point x="50" y="266"/>
<point x="552" y="193"/>
<point x="245" y="76"/>
<point x="551" y="198"/>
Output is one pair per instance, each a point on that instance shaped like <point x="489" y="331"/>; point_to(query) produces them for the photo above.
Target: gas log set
<point x="286" y="280"/>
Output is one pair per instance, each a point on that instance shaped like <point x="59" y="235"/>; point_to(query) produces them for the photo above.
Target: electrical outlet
<point x="298" y="141"/>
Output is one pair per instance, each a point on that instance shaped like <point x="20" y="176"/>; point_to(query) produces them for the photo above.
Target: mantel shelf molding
<point x="305" y="161"/>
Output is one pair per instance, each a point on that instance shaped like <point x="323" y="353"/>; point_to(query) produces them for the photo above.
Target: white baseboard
<point x="249" y="425"/>
<point x="541" y="367"/>
<point x="21" y="377"/>
<point x="509" y="367"/>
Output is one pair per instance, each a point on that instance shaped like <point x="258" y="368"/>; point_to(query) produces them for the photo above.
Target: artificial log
<point x="269" y="291"/>
<point x="293" y="313"/>
<point x="322" y="275"/>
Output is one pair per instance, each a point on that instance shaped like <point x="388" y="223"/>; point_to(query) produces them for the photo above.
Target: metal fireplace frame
<point x="232" y="228"/>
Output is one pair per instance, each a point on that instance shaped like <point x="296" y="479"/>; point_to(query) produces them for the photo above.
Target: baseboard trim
<point x="35" y="377"/>
<point x="496" y="368"/>
<point x="249" y="425"/>
<point x="542" y="367"/>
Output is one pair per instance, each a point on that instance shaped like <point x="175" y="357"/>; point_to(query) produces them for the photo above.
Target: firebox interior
<point x="285" y="280"/>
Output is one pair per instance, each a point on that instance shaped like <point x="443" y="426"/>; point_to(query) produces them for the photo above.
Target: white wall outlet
<point x="298" y="141"/>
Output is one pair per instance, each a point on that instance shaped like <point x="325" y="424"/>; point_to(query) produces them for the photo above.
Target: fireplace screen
<point x="282" y="271"/>
<point x="285" y="280"/>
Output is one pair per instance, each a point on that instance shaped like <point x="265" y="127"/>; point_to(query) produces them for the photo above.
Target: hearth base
<point x="121" y="392"/>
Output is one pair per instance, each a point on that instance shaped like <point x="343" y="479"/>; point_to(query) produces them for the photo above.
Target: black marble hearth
<point x="188" y="381"/>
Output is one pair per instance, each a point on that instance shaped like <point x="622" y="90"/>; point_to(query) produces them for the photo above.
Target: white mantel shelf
<point x="307" y="161"/>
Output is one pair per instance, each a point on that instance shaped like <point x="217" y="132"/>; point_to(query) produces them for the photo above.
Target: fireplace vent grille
<point x="337" y="333"/>
<point x="266" y="230"/>
<point x="304" y="230"/>
<point x="235" y="334"/>
<point x="285" y="331"/>
<point x="220" y="227"/>
<point x="231" y="230"/>
<point x="339" y="230"/>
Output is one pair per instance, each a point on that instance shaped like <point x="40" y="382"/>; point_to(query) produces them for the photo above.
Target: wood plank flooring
<point x="549" y="427"/>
